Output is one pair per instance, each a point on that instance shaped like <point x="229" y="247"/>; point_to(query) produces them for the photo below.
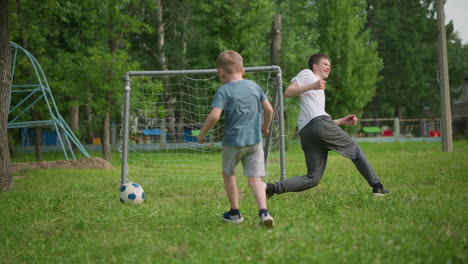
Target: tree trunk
<point x="106" y="127"/>
<point x="6" y="176"/>
<point x="375" y="108"/>
<point x="170" y="118"/>
<point x="74" y="116"/>
<point x="89" y="120"/>
<point x="35" y="111"/>
<point x="160" y="21"/>
<point x="276" y="39"/>
<point x="400" y="111"/>
<point x="12" y="145"/>
<point x="38" y="136"/>
<point x="180" y="128"/>
<point x="170" y="99"/>
<point x="183" y="61"/>
<point x="106" y="151"/>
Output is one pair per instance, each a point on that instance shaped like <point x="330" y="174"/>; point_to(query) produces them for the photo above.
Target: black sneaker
<point x="379" y="190"/>
<point x="269" y="189"/>
<point x="235" y="219"/>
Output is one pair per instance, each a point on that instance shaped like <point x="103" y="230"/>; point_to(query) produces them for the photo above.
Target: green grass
<point x="74" y="216"/>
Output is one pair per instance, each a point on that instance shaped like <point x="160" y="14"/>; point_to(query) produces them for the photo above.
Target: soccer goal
<point x="163" y="112"/>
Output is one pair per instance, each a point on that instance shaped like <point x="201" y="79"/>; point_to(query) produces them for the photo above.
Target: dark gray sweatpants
<point x="318" y="137"/>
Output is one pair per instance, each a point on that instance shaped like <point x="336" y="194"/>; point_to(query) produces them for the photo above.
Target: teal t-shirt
<point x="241" y="102"/>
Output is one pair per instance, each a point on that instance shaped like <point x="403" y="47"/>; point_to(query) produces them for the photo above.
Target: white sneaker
<point x="267" y="220"/>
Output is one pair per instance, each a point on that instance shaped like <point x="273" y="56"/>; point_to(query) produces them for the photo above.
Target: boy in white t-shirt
<point x="320" y="134"/>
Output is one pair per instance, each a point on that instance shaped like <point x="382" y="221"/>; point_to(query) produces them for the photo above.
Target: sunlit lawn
<point x="74" y="215"/>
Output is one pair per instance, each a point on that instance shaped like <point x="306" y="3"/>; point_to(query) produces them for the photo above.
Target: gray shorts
<point x="252" y="157"/>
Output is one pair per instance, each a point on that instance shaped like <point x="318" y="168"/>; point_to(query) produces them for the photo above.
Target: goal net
<point x="163" y="113"/>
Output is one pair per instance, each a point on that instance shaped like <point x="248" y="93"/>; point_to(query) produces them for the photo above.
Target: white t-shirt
<point x="312" y="103"/>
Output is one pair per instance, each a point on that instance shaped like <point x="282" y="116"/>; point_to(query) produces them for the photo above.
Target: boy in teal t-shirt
<point x="243" y="102"/>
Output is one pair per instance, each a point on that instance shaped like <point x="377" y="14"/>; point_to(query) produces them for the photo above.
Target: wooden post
<point x="396" y="127"/>
<point x="446" y="117"/>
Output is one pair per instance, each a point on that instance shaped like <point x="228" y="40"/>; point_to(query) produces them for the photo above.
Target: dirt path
<point x="84" y="163"/>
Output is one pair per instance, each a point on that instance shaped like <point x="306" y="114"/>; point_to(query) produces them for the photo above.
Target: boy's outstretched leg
<point x="363" y="165"/>
<point x="269" y="189"/>
<point x="379" y="190"/>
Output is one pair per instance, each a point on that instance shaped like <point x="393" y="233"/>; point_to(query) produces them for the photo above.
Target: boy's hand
<point x="347" y="120"/>
<point x="265" y="131"/>
<point x="320" y="85"/>
<point x="350" y="120"/>
<point x="201" y="139"/>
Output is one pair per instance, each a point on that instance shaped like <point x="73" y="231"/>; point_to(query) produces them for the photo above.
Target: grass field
<point x="74" y="215"/>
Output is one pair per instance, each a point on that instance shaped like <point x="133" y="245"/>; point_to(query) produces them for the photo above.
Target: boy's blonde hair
<point x="229" y="61"/>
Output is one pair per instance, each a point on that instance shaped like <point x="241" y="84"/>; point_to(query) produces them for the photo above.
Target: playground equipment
<point x="26" y="95"/>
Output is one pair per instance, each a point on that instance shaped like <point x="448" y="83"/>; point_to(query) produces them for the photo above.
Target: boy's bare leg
<point x="231" y="190"/>
<point x="258" y="189"/>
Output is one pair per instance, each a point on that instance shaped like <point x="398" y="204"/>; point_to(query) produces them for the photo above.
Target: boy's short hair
<point x="316" y="58"/>
<point x="229" y="61"/>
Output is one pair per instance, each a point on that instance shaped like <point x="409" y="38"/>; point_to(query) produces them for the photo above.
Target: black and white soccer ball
<point x="132" y="192"/>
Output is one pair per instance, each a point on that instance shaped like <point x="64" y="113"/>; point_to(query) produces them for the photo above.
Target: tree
<point x="58" y="34"/>
<point x="241" y="25"/>
<point x="299" y="32"/>
<point x="6" y="176"/>
<point x="355" y="62"/>
<point x="185" y="35"/>
<point x="458" y="61"/>
<point x="276" y="39"/>
<point x="299" y="35"/>
<point x="164" y="43"/>
<point x="74" y="32"/>
<point x="406" y="32"/>
<point x="24" y="34"/>
<point x="34" y="110"/>
<point x="161" y="53"/>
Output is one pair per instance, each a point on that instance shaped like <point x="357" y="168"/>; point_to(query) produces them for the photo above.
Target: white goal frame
<point x="277" y="103"/>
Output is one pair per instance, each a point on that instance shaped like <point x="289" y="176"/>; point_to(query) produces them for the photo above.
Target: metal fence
<point x="396" y="129"/>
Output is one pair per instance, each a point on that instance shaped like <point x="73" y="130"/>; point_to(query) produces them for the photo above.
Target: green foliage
<point x="153" y="93"/>
<point x="81" y="47"/>
<point x="105" y="72"/>
<point x="299" y="35"/>
<point x="85" y="47"/>
<point x="406" y="32"/>
<point x="74" y="216"/>
<point x="242" y="25"/>
<point x="457" y="55"/>
<point x="66" y="82"/>
<point x="354" y="58"/>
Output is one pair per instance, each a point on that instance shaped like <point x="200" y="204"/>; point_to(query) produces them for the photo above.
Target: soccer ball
<point x="132" y="193"/>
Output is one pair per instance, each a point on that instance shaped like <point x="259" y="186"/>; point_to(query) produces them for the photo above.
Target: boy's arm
<point x="347" y="120"/>
<point x="267" y="116"/>
<point x="294" y="89"/>
<point x="210" y="121"/>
